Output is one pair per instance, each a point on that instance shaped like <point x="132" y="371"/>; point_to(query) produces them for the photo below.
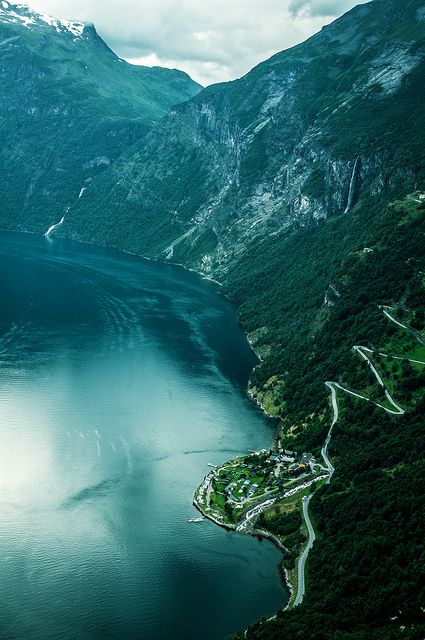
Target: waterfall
<point x="351" y="192"/>
<point x="62" y="220"/>
<point x="53" y="227"/>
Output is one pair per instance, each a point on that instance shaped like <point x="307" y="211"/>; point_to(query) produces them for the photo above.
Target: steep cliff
<point x="300" y="138"/>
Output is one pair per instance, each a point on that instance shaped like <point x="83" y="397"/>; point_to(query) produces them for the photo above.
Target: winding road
<point x="414" y="333"/>
<point x="334" y="386"/>
<point x="303" y="557"/>
<point x="247" y="524"/>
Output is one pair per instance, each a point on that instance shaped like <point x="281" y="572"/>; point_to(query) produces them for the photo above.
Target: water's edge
<point x="259" y="534"/>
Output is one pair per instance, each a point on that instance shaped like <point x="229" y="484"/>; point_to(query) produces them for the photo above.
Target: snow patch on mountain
<point x="15" y="13"/>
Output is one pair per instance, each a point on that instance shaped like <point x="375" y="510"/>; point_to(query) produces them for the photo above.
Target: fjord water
<point x="120" y="379"/>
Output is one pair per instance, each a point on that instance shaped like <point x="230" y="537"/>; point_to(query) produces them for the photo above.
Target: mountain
<point x="301" y="187"/>
<point x="275" y="149"/>
<point x="68" y="108"/>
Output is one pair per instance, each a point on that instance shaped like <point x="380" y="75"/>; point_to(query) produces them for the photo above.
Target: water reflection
<point x="120" y="380"/>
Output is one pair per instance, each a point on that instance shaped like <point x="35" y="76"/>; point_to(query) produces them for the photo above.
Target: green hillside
<point x="69" y="107"/>
<point x="275" y="149"/>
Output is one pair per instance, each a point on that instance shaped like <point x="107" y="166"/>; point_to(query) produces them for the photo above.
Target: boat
<point x="209" y="464"/>
<point x="195" y="519"/>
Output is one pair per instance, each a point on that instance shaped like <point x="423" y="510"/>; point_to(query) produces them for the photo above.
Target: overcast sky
<point x="213" y="40"/>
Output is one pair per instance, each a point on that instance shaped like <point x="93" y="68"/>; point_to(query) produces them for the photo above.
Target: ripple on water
<point x="121" y="380"/>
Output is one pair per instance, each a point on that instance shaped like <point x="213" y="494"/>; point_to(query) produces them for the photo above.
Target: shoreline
<point x="283" y="572"/>
<point x="162" y="261"/>
<point x="200" y="274"/>
<point x="259" y="534"/>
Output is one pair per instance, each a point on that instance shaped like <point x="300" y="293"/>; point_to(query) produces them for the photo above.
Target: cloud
<point x="213" y="40"/>
<point x="319" y="8"/>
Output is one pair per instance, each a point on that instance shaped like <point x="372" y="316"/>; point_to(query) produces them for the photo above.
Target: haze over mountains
<point x="301" y="187"/>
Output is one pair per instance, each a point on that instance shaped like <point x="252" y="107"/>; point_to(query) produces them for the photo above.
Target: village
<point x="227" y="492"/>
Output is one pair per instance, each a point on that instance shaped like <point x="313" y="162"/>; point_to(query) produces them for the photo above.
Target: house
<point x="297" y="468"/>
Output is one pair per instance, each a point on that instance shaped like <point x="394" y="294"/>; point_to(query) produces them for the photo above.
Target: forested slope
<point x="366" y="571"/>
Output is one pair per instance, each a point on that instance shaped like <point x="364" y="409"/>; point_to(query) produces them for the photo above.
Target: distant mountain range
<point x="68" y="108"/>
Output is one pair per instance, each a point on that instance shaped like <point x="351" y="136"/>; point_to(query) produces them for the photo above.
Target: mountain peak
<point x="22" y="14"/>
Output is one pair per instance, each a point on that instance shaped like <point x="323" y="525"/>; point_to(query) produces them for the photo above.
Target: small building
<point x="297" y="468"/>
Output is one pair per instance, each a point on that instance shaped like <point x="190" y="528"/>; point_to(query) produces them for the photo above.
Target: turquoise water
<point x="120" y="379"/>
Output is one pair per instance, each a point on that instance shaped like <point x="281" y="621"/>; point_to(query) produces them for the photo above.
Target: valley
<point x="300" y="189"/>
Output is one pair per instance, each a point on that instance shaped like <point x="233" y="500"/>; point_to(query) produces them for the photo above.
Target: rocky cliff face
<point x="299" y="139"/>
<point x="68" y="108"/>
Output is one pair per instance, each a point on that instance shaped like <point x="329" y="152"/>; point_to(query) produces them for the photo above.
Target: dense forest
<point x="319" y="295"/>
<point x="367" y="564"/>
